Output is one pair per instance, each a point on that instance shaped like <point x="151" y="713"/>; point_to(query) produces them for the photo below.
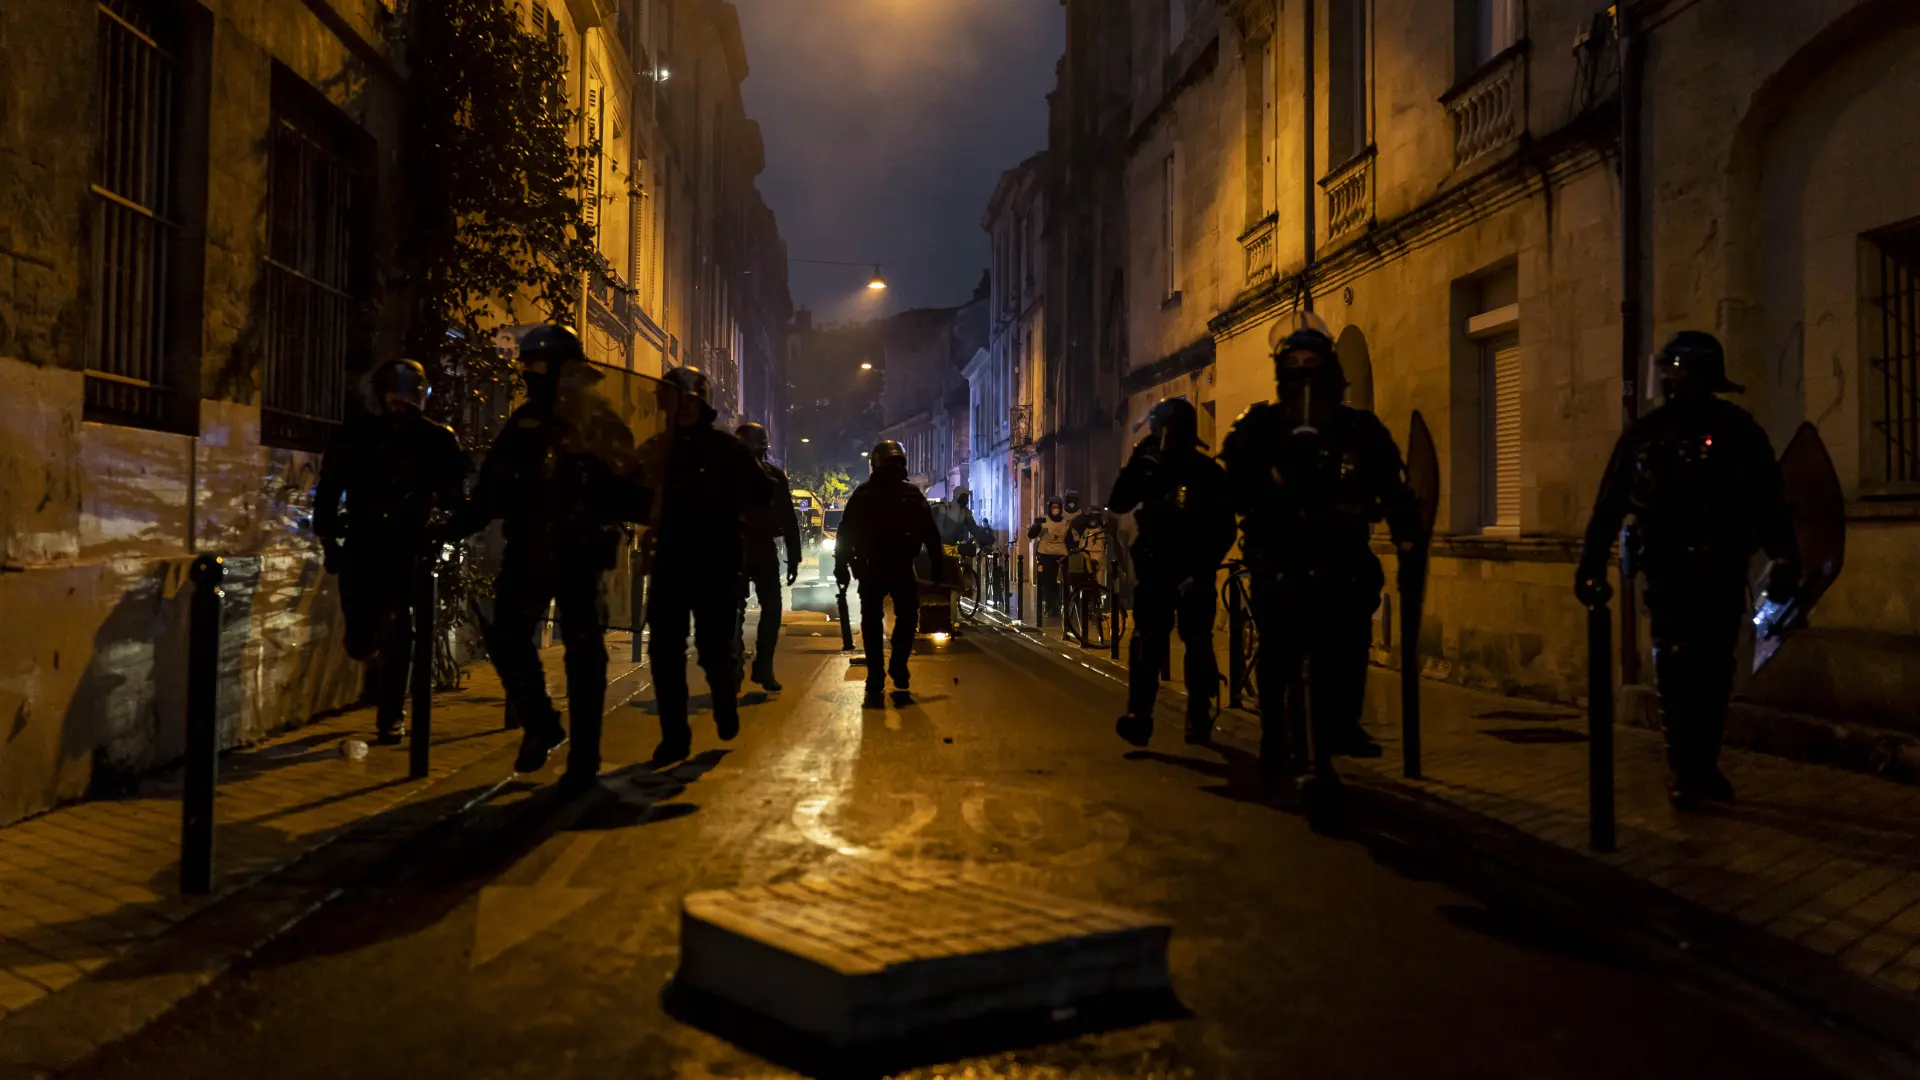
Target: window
<point x="310" y="280"/>
<point x="1891" y="340"/>
<point x="1488" y="404"/>
<point x="1347" y="81"/>
<point x="133" y="195"/>
<point x="1484" y="30"/>
<point x="1168" y="195"/>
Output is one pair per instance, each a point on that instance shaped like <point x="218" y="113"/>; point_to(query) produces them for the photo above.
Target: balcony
<point x="1020" y="425"/>
<point x="1349" y="191"/>
<point x="1258" y="243"/>
<point x="1486" y="110"/>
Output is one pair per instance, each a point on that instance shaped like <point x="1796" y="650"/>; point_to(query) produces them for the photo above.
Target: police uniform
<point x="886" y="524"/>
<point x="1308" y="498"/>
<point x="772" y="522"/>
<point x="1179" y="499"/>
<point x="709" y="482"/>
<point x="1700" y="480"/>
<point x="394" y="470"/>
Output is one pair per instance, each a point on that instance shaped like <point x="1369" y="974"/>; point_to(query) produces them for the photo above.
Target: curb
<point x="1862" y="1028"/>
<point x="64" y="1029"/>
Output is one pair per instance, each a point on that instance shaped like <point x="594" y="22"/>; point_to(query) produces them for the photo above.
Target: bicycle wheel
<point x="1093" y="612"/>
<point x="969" y="599"/>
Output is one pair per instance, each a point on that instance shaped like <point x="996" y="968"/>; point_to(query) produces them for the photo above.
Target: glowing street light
<point x="866" y="367"/>
<point x="806" y="440"/>
<point x="877" y="283"/>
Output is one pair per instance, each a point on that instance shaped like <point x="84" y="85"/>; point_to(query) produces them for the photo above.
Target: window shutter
<point x="1506" y="434"/>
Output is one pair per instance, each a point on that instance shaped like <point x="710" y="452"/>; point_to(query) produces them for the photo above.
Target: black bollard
<point x="425" y="596"/>
<point x="1600" y="727"/>
<point x="203" y="726"/>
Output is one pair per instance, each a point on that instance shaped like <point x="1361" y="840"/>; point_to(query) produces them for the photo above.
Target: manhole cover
<point x="877" y="957"/>
<point x="1533" y="736"/>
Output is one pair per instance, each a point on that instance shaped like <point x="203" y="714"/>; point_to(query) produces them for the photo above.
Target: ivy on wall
<point x="494" y="221"/>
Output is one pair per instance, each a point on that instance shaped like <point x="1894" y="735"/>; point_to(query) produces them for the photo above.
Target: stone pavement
<point x="1824" y="859"/>
<point x="84" y="885"/>
<point x="876" y="955"/>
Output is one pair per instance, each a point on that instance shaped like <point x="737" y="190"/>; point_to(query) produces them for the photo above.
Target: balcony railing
<point x="1020" y="425"/>
<point x="1486" y="112"/>
<point x="1258" y="242"/>
<point x="1349" y="192"/>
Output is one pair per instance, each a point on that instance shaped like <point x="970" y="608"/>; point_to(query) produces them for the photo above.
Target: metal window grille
<point x="1895" y="372"/>
<point x="126" y="341"/>
<point x="308" y="278"/>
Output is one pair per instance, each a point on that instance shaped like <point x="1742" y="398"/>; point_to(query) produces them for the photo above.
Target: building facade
<point x="198" y="252"/>
<point x="1013" y="377"/>
<point x="1442" y="184"/>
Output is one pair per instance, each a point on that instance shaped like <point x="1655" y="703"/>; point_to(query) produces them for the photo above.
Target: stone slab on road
<point x="870" y="957"/>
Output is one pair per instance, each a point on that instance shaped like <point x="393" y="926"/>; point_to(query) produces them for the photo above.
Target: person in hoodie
<point x="886" y="523"/>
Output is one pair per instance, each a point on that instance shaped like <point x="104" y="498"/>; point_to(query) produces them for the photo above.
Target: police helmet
<point x="544" y="349"/>
<point x="1176" y="420"/>
<point x="690" y="381"/>
<point x="401" y="381"/>
<point x="885" y="453"/>
<point x="754" y="435"/>
<point x="1696" y="358"/>
<point x="1308" y="352"/>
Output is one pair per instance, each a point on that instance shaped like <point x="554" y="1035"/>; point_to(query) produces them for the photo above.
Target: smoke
<point x="887" y="125"/>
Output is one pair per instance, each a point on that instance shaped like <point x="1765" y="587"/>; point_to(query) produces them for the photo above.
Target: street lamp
<point x="877" y="283"/>
<point x="806" y="440"/>
<point x="866" y="367"/>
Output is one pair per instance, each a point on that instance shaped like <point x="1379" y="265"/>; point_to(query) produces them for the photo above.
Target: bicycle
<point x="1093" y="614"/>
<point x="969" y="598"/>
<point x="1243" y="636"/>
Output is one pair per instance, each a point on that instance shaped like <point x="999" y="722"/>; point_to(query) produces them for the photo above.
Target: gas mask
<point x="1309" y="389"/>
<point x="1054" y="511"/>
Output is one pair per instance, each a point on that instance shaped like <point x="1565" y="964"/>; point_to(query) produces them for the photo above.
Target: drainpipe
<point x="1632" y="218"/>
<point x="1309" y="186"/>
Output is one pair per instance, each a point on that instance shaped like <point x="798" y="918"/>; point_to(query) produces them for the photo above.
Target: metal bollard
<point x="203" y="726"/>
<point x="425" y="596"/>
<point x="1600" y="728"/>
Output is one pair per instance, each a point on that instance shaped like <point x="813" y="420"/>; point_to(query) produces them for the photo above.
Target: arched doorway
<point x="1358" y="364"/>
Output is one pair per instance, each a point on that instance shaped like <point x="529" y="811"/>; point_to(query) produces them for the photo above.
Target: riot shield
<point x="1423" y="478"/>
<point x="1820" y="524"/>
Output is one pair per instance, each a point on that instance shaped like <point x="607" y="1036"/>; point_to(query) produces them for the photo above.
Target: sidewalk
<point x="1812" y="874"/>
<point x="85" y="885"/>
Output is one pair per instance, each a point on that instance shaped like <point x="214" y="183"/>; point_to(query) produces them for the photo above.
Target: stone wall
<point x="1777" y="136"/>
<point x="99" y="522"/>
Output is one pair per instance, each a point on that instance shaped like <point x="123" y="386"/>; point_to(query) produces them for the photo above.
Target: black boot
<point x="763" y="675"/>
<point x="676" y="741"/>
<point x="390" y="731"/>
<point x="898" y="670"/>
<point x="1199" y="729"/>
<point x="726" y="714"/>
<point x="537" y="741"/>
<point x="1135" y="729"/>
<point x="876" y="696"/>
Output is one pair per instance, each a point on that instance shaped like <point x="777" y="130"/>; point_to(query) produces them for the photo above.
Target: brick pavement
<point x="83" y="885"/>
<point x="882" y="954"/>
<point x="1823" y="858"/>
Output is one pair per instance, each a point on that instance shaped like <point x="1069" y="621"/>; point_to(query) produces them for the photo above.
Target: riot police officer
<point x="707" y="482"/>
<point x="396" y="468"/>
<point x="886" y="523"/>
<point x="1700" y="481"/>
<point x="562" y="476"/>
<point x="1186" y="527"/>
<point x="1309" y="477"/>
<point x="767" y="523"/>
<point x="1049" y="534"/>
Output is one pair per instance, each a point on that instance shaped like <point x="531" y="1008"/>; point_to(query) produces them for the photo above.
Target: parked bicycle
<point x="1243" y="636"/>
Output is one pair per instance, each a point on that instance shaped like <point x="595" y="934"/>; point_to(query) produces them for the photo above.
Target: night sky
<point x="887" y="125"/>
